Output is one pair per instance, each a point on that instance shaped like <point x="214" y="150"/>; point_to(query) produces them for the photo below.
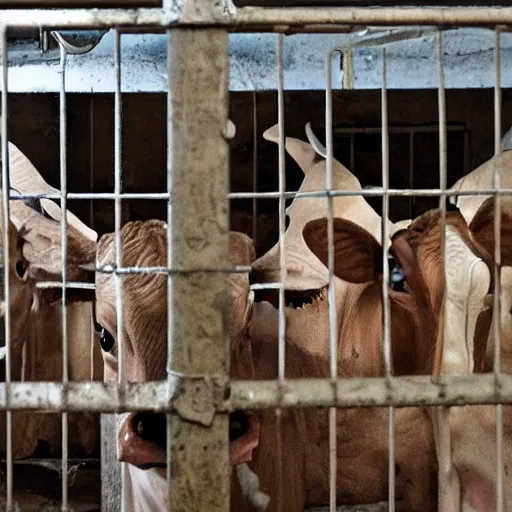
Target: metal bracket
<point x="197" y="398"/>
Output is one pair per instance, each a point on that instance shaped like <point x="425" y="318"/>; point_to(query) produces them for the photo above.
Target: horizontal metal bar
<point x="373" y="192"/>
<point x="343" y="393"/>
<point x="383" y="506"/>
<point x="430" y="128"/>
<point x="73" y="4"/>
<point x="92" y="195"/>
<point x="69" y="284"/>
<point x="111" y="269"/>
<point x="274" y="19"/>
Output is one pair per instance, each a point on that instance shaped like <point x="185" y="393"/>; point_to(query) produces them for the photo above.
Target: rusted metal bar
<point x="210" y="394"/>
<point x="111" y="486"/>
<point x="5" y="216"/>
<point x="271" y="19"/>
<point x="198" y="175"/>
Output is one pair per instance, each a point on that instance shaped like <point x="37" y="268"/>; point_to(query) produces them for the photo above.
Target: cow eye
<point x="106" y="341"/>
<point x="21" y="268"/>
<point x="397" y="277"/>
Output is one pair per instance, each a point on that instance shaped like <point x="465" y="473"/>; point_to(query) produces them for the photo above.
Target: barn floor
<point x="37" y="485"/>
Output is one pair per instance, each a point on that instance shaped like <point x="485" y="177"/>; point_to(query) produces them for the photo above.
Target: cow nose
<point x="151" y="427"/>
<point x="142" y="440"/>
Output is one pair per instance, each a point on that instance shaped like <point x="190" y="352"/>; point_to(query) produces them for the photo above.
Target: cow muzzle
<point x="142" y="438"/>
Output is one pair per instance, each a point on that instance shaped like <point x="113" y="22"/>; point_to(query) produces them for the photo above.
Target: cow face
<point x="142" y="436"/>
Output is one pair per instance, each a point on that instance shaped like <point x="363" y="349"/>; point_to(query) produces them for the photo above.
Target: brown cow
<point x="362" y="472"/>
<point x="362" y="464"/>
<point x="304" y="443"/>
<point x="145" y="335"/>
<point x="464" y="435"/>
<point x="36" y="337"/>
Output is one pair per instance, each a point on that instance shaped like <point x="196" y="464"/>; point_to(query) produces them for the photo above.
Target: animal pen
<point x="133" y="110"/>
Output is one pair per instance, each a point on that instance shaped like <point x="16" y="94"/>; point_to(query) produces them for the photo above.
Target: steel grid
<point x="332" y="392"/>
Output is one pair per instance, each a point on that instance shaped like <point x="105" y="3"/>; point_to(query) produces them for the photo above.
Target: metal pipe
<point x="199" y="181"/>
<point x="500" y="498"/>
<point x="281" y="348"/>
<point x="467" y="389"/>
<point x="118" y="281"/>
<point x="6" y="261"/>
<point x="385" y="282"/>
<point x="333" y="345"/>
<point x="376" y="192"/>
<point x="64" y="244"/>
<point x="250" y="18"/>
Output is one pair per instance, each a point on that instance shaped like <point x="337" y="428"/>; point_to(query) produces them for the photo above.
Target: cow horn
<point x="302" y="152"/>
<point x="315" y="143"/>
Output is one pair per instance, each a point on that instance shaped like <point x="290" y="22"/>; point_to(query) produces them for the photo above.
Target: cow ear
<point x="482" y="228"/>
<point x="357" y="254"/>
<point x="302" y="152"/>
<point x="41" y="244"/>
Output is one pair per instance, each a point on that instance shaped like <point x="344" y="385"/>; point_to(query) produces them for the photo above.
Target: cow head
<point x="416" y="273"/>
<point x="141" y="436"/>
<point x="306" y="277"/>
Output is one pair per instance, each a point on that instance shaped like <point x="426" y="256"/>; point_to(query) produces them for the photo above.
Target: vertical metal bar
<point x="442" y="411"/>
<point x="333" y="345"/>
<point x="385" y="279"/>
<point x="118" y="279"/>
<point x="64" y="242"/>
<point x="91" y="159"/>
<point x="282" y="204"/>
<point x="497" y="273"/>
<point x="170" y="282"/>
<point x="198" y="175"/>
<point x="412" y="199"/>
<point x="442" y="141"/>
<point x="352" y="154"/>
<point x="282" y="256"/>
<point x="5" y="229"/>
<point x="255" y="166"/>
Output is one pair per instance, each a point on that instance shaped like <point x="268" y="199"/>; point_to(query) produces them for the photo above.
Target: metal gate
<point x="198" y="394"/>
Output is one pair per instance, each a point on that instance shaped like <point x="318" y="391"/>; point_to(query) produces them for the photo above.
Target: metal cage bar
<point x="500" y="497"/>
<point x="118" y="278"/>
<point x="386" y="311"/>
<point x="331" y="290"/>
<point x="470" y="389"/>
<point x="6" y="261"/>
<point x="64" y="242"/>
<point x="245" y="19"/>
<point x="198" y="172"/>
<point x="197" y="111"/>
<point x="281" y="347"/>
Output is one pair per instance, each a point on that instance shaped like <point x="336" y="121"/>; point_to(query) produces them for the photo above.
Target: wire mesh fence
<point x="328" y="362"/>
